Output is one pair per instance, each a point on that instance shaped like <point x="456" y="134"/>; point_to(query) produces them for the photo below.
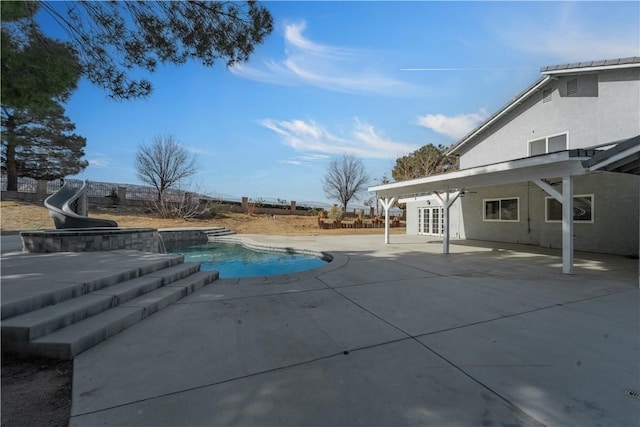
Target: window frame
<point x="575" y="221"/>
<point x="500" y="199"/>
<point x="546" y="143"/>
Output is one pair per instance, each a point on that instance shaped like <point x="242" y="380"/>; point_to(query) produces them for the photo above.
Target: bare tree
<point x="345" y="179"/>
<point x="163" y="163"/>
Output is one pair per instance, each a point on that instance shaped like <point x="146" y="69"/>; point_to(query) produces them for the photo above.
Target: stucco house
<point x="558" y="167"/>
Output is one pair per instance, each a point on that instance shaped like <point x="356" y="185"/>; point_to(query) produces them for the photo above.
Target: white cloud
<point x="329" y="67"/>
<point x="313" y="157"/>
<point x="291" y="162"/>
<point x="453" y="126"/>
<point x="304" y="160"/>
<point x="362" y="141"/>
<point x="101" y="161"/>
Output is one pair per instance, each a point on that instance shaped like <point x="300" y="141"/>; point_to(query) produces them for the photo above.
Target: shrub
<point x="335" y="213"/>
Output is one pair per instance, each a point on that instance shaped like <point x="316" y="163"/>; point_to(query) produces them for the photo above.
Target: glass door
<point x="430" y="221"/>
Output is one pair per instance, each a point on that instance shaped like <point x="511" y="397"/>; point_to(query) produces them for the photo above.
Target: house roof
<point x="547" y="74"/>
<point x="631" y="61"/>
<point x="619" y="156"/>
<point x="544" y="166"/>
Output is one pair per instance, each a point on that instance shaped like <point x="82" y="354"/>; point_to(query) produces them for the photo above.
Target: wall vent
<point x="546" y="95"/>
<point x="572" y="87"/>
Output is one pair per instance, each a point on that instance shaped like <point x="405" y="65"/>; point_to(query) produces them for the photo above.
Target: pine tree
<point x="38" y="73"/>
<point x="40" y="143"/>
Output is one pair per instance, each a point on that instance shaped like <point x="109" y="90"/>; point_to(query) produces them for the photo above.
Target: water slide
<point x="68" y="208"/>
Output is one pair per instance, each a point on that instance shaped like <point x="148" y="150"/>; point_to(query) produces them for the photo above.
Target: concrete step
<point x="78" y="306"/>
<point x="80" y="336"/>
<point x="20" y="329"/>
<point x="56" y="292"/>
<point x="219" y="232"/>
<point x="215" y="229"/>
<point x="74" y="339"/>
<point x="226" y="238"/>
<point x="17" y="331"/>
<point x="176" y="272"/>
<point x="160" y="298"/>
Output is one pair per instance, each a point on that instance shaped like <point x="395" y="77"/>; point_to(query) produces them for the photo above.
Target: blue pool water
<point x="232" y="260"/>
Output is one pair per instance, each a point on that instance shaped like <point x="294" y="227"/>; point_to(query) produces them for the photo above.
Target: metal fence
<point x="94" y="189"/>
<point x="147" y="193"/>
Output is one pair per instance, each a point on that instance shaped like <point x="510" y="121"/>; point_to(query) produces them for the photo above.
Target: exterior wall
<point x="615" y="211"/>
<point x="616" y="216"/>
<point x="614" y="230"/>
<point x="524" y="231"/>
<point x="605" y="109"/>
<point x="412" y="216"/>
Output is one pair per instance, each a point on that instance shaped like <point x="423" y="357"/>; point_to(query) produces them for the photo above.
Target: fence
<point x="105" y="194"/>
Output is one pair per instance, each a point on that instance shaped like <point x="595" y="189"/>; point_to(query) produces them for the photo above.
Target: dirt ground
<point x="37" y="392"/>
<point x="21" y="216"/>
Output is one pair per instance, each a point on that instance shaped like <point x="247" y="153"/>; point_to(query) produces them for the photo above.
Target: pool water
<point x="232" y="260"/>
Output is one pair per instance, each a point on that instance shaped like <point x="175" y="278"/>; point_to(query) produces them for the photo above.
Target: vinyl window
<point x="582" y="209"/>
<point x="549" y="144"/>
<point x="506" y="210"/>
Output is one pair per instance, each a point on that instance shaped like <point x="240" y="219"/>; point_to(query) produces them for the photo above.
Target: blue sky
<point x="373" y="79"/>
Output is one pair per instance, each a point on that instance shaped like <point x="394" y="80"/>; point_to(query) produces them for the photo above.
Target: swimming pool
<point x="234" y="260"/>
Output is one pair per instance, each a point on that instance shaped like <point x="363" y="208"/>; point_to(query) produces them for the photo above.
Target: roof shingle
<point x="587" y="64"/>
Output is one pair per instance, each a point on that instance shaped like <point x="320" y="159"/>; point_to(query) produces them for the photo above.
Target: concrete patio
<point x="398" y="334"/>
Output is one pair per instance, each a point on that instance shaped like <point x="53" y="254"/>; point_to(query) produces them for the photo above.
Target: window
<point x="501" y="210"/>
<point x="539" y="146"/>
<point x="582" y="209"/>
<point x="549" y="144"/>
<point x="572" y="87"/>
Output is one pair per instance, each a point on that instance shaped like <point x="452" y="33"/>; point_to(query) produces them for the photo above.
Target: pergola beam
<point x="565" y="164"/>
<point x="446" y="202"/>
<point x="566" y="199"/>
<point x="567" y="224"/>
<point x="548" y="189"/>
<point x="386" y="204"/>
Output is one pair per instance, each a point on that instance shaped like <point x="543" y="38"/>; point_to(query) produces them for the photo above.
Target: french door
<point x="430" y="221"/>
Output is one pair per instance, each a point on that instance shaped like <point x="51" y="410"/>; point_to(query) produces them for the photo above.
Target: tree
<point x="345" y="179"/>
<point x="163" y="163"/>
<point x="426" y="161"/>
<point x="113" y="38"/>
<point x="37" y="71"/>
<point x="37" y="74"/>
<point x="40" y="143"/>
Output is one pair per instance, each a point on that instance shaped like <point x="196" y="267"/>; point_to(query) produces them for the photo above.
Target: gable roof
<point x="548" y="73"/>
<point x="604" y="64"/>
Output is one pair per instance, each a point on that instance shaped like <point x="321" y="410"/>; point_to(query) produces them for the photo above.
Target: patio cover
<point x="565" y="164"/>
